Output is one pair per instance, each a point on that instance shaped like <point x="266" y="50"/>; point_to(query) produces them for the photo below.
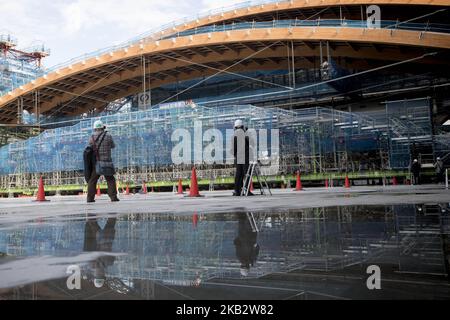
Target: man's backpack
<point x="90" y="158"/>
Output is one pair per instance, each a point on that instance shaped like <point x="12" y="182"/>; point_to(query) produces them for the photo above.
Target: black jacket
<point x="238" y="136"/>
<point x="415" y="168"/>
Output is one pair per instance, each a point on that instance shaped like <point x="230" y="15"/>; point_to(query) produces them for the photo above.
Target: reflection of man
<point x="97" y="239"/>
<point x="247" y="249"/>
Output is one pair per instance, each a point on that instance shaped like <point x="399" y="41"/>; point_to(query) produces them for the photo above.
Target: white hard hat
<point x="98" y="283"/>
<point x="244" y="272"/>
<point x="415" y="160"/>
<point x="238" y="124"/>
<point x="99" y="125"/>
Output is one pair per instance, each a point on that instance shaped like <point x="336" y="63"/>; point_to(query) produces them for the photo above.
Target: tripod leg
<point x="252" y="167"/>
<point x="247" y="181"/>
<point x="252" y="221"/>
<point x="263" y="182"/>
<point x="267" y="185"/>
<point x="258" y="176"/>
<point x="244" y="185"/>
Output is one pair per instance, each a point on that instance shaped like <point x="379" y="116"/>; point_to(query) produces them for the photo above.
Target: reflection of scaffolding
<point x="313" y="140"/>
<point x="171" y="249"/>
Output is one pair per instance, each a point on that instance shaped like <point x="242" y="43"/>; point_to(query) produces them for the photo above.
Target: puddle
<point x="359" y="194"/>
<point x="288" y="254"/>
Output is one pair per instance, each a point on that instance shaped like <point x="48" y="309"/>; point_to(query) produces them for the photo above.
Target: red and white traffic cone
<point x="194" y="185"/>
<point x="40" y="197"/>
<point x="347" y="182"/>
<point x="299" y="186"/>
<point x="180" y="186"/>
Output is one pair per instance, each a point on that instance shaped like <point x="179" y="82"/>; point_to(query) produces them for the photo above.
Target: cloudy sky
<point x="73" y="27"/>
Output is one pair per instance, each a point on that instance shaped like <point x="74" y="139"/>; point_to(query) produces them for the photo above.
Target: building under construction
<point x="17" y="68"/>
<point x="348" y="97"/>
<point x="317" y="141"/>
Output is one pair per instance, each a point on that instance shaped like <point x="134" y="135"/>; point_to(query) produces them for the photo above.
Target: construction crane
<point x="19" y="66"/>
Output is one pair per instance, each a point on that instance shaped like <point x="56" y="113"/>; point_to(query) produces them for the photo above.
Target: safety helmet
<point x="415" y="160"/>
<point x="98" y="283"/>
<point x="238" y="124"/>
<point x="244" y="272"/>
<point x="99" y="125"/>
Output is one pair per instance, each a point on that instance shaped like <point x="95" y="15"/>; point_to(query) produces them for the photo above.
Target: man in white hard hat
<point x="240" y="148"/>
<point x="415" y="170"/>
<point x="102" y="143"/>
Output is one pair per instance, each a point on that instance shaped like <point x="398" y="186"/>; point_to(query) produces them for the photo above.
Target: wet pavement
<point x="300" y="253"/>
<point x="61" y="207"/>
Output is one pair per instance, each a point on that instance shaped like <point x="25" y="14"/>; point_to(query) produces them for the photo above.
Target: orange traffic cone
<point x="394" y="181"/>
<point x="144" y="188"/>
<point x="299" y="186"/>
<point x="127" y="191"/>
<point x="99" y="192"/>
<point x="326" y="183"/>
<point x="40" y="197"/>
<point x="194" y="185"/>
<point x="347" y="182"/>
<point x="195" y="220"/>
<point x="180" y="186"/>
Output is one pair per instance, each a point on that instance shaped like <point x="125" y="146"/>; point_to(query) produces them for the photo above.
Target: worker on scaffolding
<point x="102" y="143"/>
<point x="240" y="148"/>
<point x="415" y="171"/>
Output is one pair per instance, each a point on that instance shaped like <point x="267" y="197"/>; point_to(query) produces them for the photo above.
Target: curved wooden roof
<point x="91" y="84"/>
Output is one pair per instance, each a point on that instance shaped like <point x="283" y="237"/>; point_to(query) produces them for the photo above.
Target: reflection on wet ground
<point x="320" y="253"/>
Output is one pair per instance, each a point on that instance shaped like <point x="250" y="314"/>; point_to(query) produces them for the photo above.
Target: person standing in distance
<point x="102" y="143"/>
<point x="415" y="170"/>
<point x="240" y="149"/>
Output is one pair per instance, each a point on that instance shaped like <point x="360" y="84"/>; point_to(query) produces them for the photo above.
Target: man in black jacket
<point x="240" y="148"/>
<point x="103" y="143"/>
<point x="415" y="170"/>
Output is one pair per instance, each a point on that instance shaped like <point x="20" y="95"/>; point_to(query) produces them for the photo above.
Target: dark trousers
<point x="92" y="186"/>
<point x="416" y="179"/>
<point x="440" y="177"/>
<point x="241" y="171"/>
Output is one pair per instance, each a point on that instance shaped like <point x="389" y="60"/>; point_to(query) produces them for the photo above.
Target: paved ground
<point x="24" y="209"/>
